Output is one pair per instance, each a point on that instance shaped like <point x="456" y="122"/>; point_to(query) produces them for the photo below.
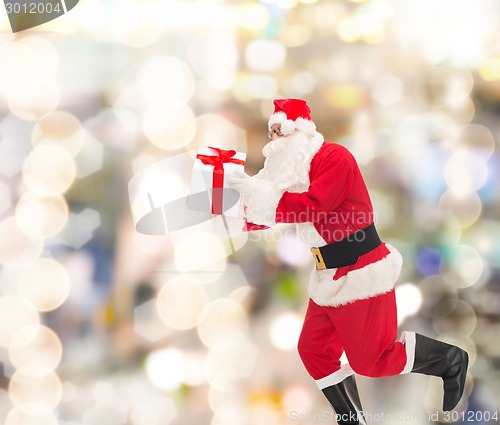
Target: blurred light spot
<point x="220" y="321"/>
<point x="33" y="103"/>
<point x="492" y="344"/>
<point x="439" y="229"/>
<point x="453" y="118"/>
<point x="285" y="331"/>
<point x="35" y="345"/>
<point x="261" y="86"/>
<point x="200" y="250"/>
<point x="229" y="361"/>
<point x="466" y="207"/>
<point x="45" y="283"/>
<point x="346" y="96"/>
<point x="18" y="63"/>
<point x="252" y="16"/>
<point x="292" y="251"/>
<point x="49" y="170"/>
<point x="461" y="319"/>
<point x="165" y="368"/>
<point x="286" y="4"/>
<point x="465" y="266"/>
<point x="451" y="85"/>
<point x="214" y="56"/>
<point x="90" y="159"/>
<point x="106" y="401"/>
<point x="385" y="215"/>
<point x="429" y="184"/>
<point x="61" y="128"/>
<point x="297" y="398"/>
<point x="180" y="303"/>
<point x="20" y="313"/>
<point x="80" y="228"/>
<point x="115" y="127"/>
<point x="5" y="201"/>
<point x="387" y="89"/>
<point x="409" y="300"/>
<point x="489" y="69"/>
<point x="465" y="172"/>
<point x="216" y="130"/>
<point x="133" y="23"/>
<point x="18" y="416"/>
<point x="265" y="55"/>
<point x="367" y="23"/>
<point x="478" y="139"/>
<point x="168" y="126"/>
<point x="14" y="144"/>
<point x="41" y="217"/>
<point x="435" y="290"/>
<point x="17" y="250"/>
<point x="231" y="409"/>
<point x="35" y="389"/>
<point x="147" y="324"/>
<point x="69" y="391"/>
<point x="324" y="17"/>
<point x="485" y="237"/>
<point x="194" y="372"/>
<point x="157" y="410"/>
<point x="227" y="280"/>
<point x="166" y="79"/>
<point x="429" y="261"/>
<point x="301" y="83"/>
<point x="296" y="35"/>
<point x="26" y="62"/>
<point x="184" y="16"/>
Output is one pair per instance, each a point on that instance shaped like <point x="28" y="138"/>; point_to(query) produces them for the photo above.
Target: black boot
<point x="433" y="357"/>
<point x="344" y="399"/>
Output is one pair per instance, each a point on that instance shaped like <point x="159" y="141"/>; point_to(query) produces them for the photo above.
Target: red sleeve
<point x="330" y="184"/>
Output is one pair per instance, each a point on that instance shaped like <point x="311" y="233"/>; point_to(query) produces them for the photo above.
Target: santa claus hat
<point x="292" y="114"/>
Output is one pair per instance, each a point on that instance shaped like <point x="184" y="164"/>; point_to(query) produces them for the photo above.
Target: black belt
<point x="346" y="251"/>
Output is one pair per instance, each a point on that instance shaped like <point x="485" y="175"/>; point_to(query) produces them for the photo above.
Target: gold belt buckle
<point x="318" y="258"/>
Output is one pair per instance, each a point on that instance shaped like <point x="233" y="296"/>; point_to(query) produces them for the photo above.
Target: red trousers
<point x="366" y="330"/>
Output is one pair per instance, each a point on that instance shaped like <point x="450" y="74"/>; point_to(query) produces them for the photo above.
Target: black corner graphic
<point x="70" y="4"/>
<point x="26" y="14"/>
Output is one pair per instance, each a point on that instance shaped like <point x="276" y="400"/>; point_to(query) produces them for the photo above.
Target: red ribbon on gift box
<point x="218" y="161"/>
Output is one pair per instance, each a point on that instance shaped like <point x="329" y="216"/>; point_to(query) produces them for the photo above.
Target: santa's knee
<point x="364" y="367"/>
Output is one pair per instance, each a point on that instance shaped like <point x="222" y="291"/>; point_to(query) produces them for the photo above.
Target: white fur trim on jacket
<point x="261" y="205"/>
<point x="370" y="281"/>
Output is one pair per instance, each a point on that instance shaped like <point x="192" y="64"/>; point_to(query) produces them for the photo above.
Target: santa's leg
<point x="367" y="329"/>
<point x="320" y="350"/>
<point x="343" y="396"/>
<point x="436" y="358"/>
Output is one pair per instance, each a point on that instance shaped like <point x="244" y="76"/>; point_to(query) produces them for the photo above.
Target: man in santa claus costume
<point x="352" y="306"/>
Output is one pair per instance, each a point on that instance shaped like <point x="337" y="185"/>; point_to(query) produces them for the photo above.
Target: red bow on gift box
<point x="218" y="162"/>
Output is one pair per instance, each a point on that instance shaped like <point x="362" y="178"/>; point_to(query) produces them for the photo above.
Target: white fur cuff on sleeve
<point x="262" y="203"/>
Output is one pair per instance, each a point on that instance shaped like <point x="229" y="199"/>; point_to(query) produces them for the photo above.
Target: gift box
<point x="208" y="189"/>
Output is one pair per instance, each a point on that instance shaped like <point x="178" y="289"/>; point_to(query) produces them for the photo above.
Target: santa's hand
<point x="241" y="182"/>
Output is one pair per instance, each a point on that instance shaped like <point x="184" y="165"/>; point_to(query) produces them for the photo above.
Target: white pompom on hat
<point x="292" y="114"/>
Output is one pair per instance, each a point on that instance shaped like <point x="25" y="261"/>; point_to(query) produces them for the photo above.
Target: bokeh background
<point x="101" y="324"/>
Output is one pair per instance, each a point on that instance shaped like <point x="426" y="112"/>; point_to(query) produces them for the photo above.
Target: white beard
<point x="288" y="161"/>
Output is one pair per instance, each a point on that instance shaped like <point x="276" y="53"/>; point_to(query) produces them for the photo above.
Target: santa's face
<point x="275" y="132"/>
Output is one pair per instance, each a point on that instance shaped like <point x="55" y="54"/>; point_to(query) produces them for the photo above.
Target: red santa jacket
<point x="335" y="205"/>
